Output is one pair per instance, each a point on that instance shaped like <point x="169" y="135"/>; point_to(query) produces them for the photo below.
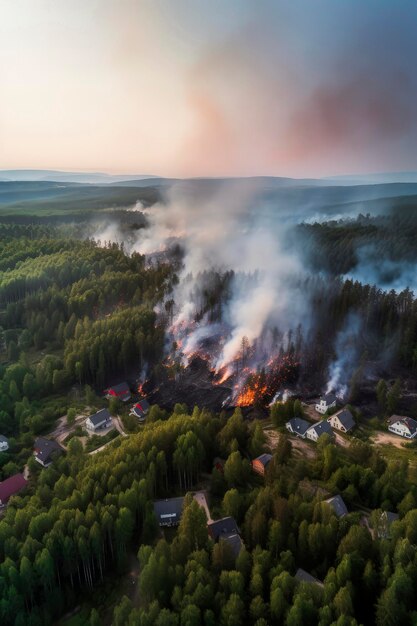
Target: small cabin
<point x="260" y="464"/>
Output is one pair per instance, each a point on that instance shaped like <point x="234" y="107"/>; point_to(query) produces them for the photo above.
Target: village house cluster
<point x="341" y="420"/>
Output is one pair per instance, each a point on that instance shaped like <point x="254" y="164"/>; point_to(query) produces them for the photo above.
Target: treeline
<point x="70" y="311"/>
<point x="336" y="246"/>
<point x="87" y="513"/>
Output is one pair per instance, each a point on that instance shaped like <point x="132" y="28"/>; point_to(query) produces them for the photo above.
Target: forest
<point x="77" y="315"/>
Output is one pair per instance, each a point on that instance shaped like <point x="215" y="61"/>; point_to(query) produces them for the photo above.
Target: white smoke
<point x="345" y="363"/>
<point x="224" y="230"/>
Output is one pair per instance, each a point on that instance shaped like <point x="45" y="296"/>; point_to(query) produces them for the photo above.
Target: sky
<point x="209" y="87"/>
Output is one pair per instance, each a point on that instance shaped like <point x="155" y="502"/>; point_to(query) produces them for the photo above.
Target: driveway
<point x="201" y="498"/>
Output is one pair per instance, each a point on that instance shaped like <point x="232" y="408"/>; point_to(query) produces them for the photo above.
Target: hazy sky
<point x="209" y="87"/>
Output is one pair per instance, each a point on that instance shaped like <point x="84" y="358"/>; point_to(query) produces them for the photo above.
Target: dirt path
<point x="386" y="439"/>
<point x="118" y="425"/>
<point x="201" y="498"/>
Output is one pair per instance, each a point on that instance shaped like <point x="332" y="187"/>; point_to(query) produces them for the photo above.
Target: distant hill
<point x="95" y="178"/>
<point x="51" y="198"/>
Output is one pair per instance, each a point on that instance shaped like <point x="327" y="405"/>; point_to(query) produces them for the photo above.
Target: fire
<point x="260" y="387"/>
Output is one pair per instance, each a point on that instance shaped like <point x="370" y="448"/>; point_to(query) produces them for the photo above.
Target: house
<point x="384" y="524"/>
<point x="298" y="426"/>
<point x="120" y="391"/>
<point x="4" y="443"/>
<point x="101" y="419"/>
<point x="45" y="450"/>
<point x="168" y="512"/>
<point x="221" y="528"/>
<point x="234" y="541"/>
<point x="338" y="505"/>
<point x="402" y="426"/>
<point x="10" y="487"/>
<point x="140" y="409"/>
<point x="260" y="464"/>
<point x="326" y="402"/>
<point x="342" y="420"/>
<point x="304" y="577"/>
<point x="317" y="430"/>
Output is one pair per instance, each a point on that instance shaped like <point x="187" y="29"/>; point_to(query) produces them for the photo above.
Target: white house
<point x="402" y="426"/>
<point x="326" y="402"/>
<point x="298" y="426"/>
<point x="319" y="429"/>
<point x="99" y="420"/>
<point x="4" y="443"/>
<point x="342" y="420"/>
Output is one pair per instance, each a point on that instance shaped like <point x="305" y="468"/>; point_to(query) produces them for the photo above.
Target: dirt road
<point x="386" y="439"/>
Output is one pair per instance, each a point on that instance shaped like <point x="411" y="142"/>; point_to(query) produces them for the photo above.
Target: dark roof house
<point x="330" y="399"/>
<point x="234" y="541"/>
<point x="220" y="528"/>
<point x="120" y="391"/>
<point x="10" y="487"/>
<point x="342" y="420"/>
<point x="168" y="512"/>
<point x="45" y="449"/>
<point x="338" y="505"/>
<point x="317" y="430"/>
<point x="100" y="419"/>
<point x="298" y="426"/>
<point x="140" y="409"/>
<point x="304" y="577"/>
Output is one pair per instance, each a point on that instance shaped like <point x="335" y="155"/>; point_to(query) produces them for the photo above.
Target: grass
<point x="96" y="441"/>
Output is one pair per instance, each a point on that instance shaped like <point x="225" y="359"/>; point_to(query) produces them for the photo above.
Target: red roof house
<point x="120" y="391"/>
<point x="10" y="487"/>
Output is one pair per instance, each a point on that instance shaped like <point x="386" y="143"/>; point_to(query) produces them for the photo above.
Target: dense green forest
<point x="76" y="316"/>
<point x="86" y="514"/>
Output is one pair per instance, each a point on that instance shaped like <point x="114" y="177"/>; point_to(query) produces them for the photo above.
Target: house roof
<point x="234" y="541"/>
<point x="120" y="389"/>
<point x="264" y="459"/>
<point x="305" y="577"/>
<point x="345" y="418"/>
<point x="390" y="516"/>
<point x="299" y="425"/>
<point x="321" y="428"/>
<point x="3" y="439"/>
<point x="44" y="448"/>
<point x="409" y="422"/>
<point x="330" y="398"/>
<point x="338" y="505"/>
<point x="221" y="527"/>
<point x="141" y="407"/>
<point x="168" y="509"/>
<point x="11" y="486"/>
<point x="101" y="416"/>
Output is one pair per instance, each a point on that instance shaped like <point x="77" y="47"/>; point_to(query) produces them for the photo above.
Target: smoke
<point x="221" y="229"/>
<point x="386" y="273"/>
<point x="346" y="347"/>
